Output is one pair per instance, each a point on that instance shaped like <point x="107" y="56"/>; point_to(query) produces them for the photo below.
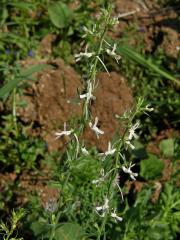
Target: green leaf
<point x="69" y="231"/>
<point x="3" y="15"/>
<point x="132" y="55"/>
<point x="167" y="147"/>
<point x="151" y="167"/>
<point x="139" y="151"/>
<point x="60" y="14"/>
<point x="23" y="5"/>
<point x="40" y="229"/>
<point x="14" y="39"/>
<point x="32" y="69"/>
<point x="8" y="87"/>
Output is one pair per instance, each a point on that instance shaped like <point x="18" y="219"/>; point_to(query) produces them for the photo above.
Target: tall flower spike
<point x="129" y="171"/>
<point x="95" y="128"/>
<point x="63" y="133"/>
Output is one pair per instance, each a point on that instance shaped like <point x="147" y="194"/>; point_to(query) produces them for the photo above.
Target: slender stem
<point x="14" y="111"/>
<point x="59" y="213"/>
<point x="92" y="76"/>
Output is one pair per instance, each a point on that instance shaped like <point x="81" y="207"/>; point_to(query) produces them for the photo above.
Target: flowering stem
<point x="92" y="76"/>
<point x="14" y="111"/>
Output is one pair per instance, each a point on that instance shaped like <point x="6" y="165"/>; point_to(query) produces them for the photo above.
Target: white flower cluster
<point x="63" y="133"/>
<point x="89" y="94"/>
<point x="129" y="171"/>
<point x="102" y="210"/>
<point x="113" y="54"/>
<point x="85" y="54"/>
<point x="95" y="128"/>
<point x="110" y="151"/>
<point x="132" y="135"/>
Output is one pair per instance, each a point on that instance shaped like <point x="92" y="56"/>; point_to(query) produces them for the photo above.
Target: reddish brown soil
<point x="54" y="100"/>
<point x="113" y="96"/>
<point x="28" y="185"/>
<point x="154" y="26"/>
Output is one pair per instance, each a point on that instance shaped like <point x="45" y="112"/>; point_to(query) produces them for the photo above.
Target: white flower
<point x="115" y="21"/>
<point x="113" y="54"/>
<point x="83" y="54"/>
<point x="148" y="108"/>
<point x="110" y="150"/>
<point x="132" y="131"/>
<point x="114" y="215"/>
<point x="84" y="151"/>
<point x="128" y="171"/>
<point x="64" y="132"/>
<point x="87" y="31"/>
<point x="130" y="144"/>
<point x="95" y="128"/>
<point x="103" y="208"/>
<point x="88" y="95"/>
<point x="101" y="179"/>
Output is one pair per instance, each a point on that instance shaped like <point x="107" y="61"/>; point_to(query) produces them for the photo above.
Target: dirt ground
<point x="158" y="27"/>
<point x="54" y="100"/>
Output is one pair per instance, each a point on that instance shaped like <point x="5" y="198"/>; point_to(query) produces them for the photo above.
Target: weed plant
<point x="94" y="202"/>
<point x="89" y="181"/>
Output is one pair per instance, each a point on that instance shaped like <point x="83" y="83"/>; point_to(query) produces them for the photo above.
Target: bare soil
<point x="53" y="100"/>
<point x="155" y="26"/>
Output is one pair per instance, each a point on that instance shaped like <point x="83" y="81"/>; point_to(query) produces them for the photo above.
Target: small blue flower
<point x="31" y="53"/>
<point x="7" y="51"/>
<point x="141" y="29"/>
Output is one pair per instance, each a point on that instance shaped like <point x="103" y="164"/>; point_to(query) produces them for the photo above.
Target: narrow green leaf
<point x="22" y="5"/>
<point x="132" y="55"/>
<point x="24" y="75"/>
<point x="8" y="87"/>
<point x="32" y="69"/>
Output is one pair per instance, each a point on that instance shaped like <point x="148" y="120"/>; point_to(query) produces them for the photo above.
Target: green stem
<point x="92" y="76"/>
<point x="59" y="213"/>
<point x="116" y="168"/>
<point x="14" y="111"/>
